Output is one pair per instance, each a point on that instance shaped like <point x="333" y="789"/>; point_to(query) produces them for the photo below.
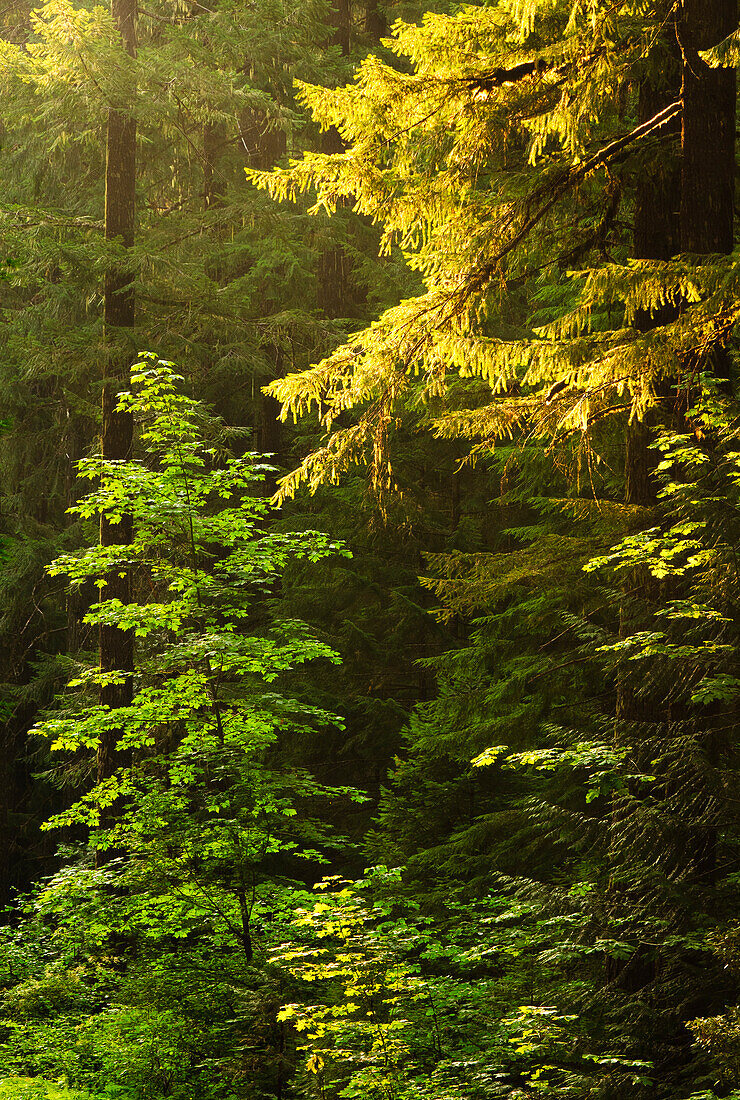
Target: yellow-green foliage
<point x="34" y="1088"/>
<point x="494" y="162"/>
<point x="720" y="1037"/>
<point x="52" y="991"/>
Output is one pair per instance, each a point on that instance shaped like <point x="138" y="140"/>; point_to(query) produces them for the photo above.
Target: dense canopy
<point x="369" y="585"/>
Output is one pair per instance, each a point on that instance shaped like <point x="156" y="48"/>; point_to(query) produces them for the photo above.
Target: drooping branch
<point x="543" y="199"/>
<point x="502" y="75"/>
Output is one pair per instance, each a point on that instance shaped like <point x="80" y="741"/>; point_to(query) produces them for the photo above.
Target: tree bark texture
<point x="116" y="646"/>
<point x="340" y="20"/>
<point x="334" y="266"/>
<point x="708" y="140"/>
<point x="264" y="146"/>
<point x="708" y="132"/>
<point x="376" y="24"/>
<point x="656" y="237"/>
<point x="707" y="226"/>
<point x="214" y="139"/>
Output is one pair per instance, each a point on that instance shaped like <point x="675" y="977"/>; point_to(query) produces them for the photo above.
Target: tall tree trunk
<point x="116" y="646"/>
<point x="656" y="237"/>
<point x="708" y="132"/>
<point x="707" y="223"/>
<point x="214" y="139"/>
<point x="376" y="24"/>
<point x="340" y="19"/>
<point x="334" y="265"/>
<point x="264" y="145"/>
<point x="707" y="139"/>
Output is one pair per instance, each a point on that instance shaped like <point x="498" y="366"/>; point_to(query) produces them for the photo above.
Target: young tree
<point x="231" y="288"/>
<point x="213" y="823"/>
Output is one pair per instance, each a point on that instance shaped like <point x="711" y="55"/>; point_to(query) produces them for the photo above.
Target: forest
<point x="369" y="550"/>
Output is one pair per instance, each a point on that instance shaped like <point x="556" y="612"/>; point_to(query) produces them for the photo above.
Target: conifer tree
<point x="562" y="796"/>
<point x="482" y="164"/>
<point x="229" y="283"/>
<point x="461" y="243"/>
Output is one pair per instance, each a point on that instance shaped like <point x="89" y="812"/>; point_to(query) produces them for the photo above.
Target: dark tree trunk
<point x="638" y="465"/>
<point x="658" y="197"/>
<point x="264" y="146"/>
<point x="656" y="237"/>
<point x="334" y="267"/>
<point x="13" y="735"/>
<point x="340" y="19"/>
<point x="708" y="133"/>
<point x="270" y="430"/>
<point x="214" y="137"/>
<point x="707" y="222"/>
<point x="116" y="646"/>
<point x="376" y="24"/>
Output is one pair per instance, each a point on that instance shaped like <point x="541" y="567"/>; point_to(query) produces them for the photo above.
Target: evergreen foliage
<point x="466" y="272"/>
